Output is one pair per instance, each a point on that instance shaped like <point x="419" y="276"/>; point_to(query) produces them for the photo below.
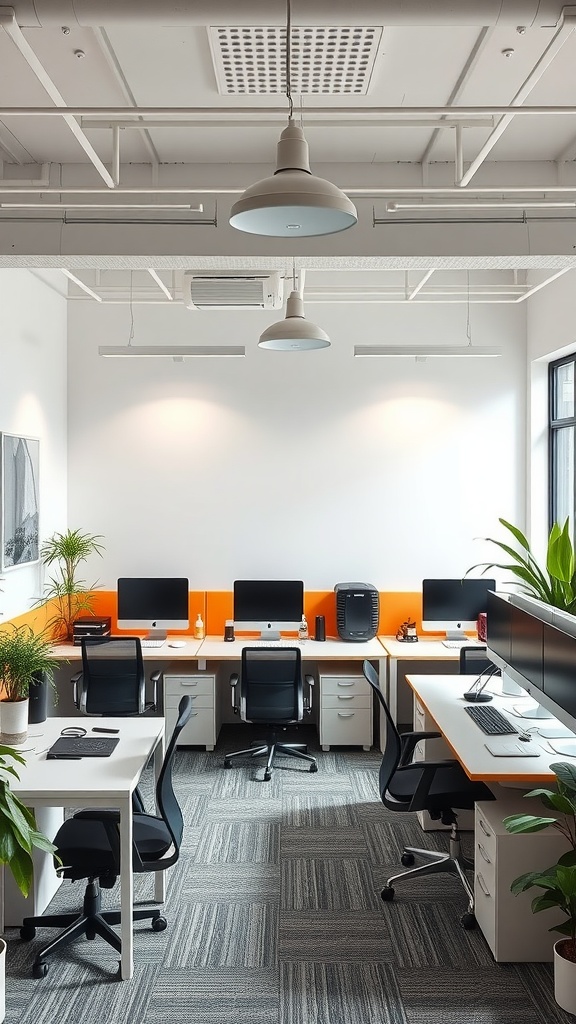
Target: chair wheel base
<point x="39" y="970"/>
<point x="159" y="924"/>
<point x="27" y="933"/>
<point x="468" y="921"/>
<point x="313" y="768"/>
<point x="267" y="776"/>
<point x="227" y="763"/>
<point x="407" y="860"/>
<point x="387" y="893"/>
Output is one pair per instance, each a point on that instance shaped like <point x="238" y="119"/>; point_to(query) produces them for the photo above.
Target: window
<point x="562" y="423"/>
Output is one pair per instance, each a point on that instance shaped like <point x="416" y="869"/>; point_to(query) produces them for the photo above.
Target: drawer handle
<point x="347" y="684"/>
<point x="345" y="714"/>
<point x="483" y="827"/>
<point x="348" y="696"/>
<point x="483" y="853"/>
<point x="482" y="885"/>
<point x="188" y="682"/>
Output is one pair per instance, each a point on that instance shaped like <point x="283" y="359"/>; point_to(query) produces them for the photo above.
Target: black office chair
<point x="112" y="680"/>
<point x="434" y="786"/>
<point x="88" y="845"/>
<point x="270" y="690"/>
<point x="474" y="662"/>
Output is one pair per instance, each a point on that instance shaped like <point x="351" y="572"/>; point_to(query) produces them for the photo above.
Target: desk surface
<point x="110" y="777"/>
<point x="442" y="697"/>
<point x="71" y="652"/>
<point x="327" y="650"/>
<point x="427" y="650"/>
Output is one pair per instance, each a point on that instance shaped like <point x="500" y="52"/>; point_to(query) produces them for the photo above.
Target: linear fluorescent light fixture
<point x="169" y="351"/>
<point x="428" y="351"/>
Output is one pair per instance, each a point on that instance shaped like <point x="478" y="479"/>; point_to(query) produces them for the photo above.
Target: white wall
<point x="313" y="465"/>
<point x="33" y="403"/>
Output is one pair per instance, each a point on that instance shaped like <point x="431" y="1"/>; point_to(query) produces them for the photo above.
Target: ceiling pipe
<point x="95" y="13"/>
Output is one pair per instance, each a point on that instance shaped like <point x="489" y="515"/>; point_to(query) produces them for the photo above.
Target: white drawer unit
<point x="345" y="698"/>
<point x="512" y="931"/>
<point x="204" y="724"/>
<point x="434" y="750"/>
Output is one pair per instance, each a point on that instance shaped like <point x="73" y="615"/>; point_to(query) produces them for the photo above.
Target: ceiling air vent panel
<point x="229" y="289"/>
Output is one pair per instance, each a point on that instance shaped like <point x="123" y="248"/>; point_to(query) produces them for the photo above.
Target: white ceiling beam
<point x="538" y="287"/>
<point x="420" y="285"/>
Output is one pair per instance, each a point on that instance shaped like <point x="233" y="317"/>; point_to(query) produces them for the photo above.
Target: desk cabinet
<point x="204" y="725"/>
<point x="345" y="707"/>
<point x="433" y="750"/>
<point x="512" y="931"/>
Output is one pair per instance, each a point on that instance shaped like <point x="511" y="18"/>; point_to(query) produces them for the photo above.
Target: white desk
<point x="438" y="658"/>
<point x="98" y="782"/>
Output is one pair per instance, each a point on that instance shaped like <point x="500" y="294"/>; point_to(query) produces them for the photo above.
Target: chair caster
<point x="227" y="763"/>
<point x="27" y="932"/>
<point x="267" y="776"/>
<point x="159" y="924"/>
<point x="39" y="970"/>
<point x="468" y="921"/>
<point x="407" y="860"/>
<point x="313" y="768"/>
<point x="387" y="893"/>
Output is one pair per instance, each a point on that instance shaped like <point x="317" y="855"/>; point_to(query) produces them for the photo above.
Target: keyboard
<point x="272" y="643"/>
<point x="457" y="644"/>
<point x="152" y="643"/>
<point x="491" y="721"/>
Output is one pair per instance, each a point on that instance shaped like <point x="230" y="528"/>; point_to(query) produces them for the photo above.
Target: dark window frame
<point x="554" y="425"/>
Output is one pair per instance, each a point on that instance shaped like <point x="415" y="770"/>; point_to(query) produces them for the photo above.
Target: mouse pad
<point x="511" y="748"/>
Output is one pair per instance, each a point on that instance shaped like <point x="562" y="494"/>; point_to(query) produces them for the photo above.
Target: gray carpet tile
<point x="215" y="996"/>
<point x="350" y="936"/>
<point x="339" y="993"/>
<point x="224" y="935"/>
<point x="275" y="917"/>
<point x="327" y="885"/>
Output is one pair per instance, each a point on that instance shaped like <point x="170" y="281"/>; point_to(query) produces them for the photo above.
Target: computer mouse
<point x="177" y="643"/>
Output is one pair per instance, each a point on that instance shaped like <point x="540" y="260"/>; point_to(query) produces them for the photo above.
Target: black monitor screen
<point x="560" y="668"/>
<point x="454" y="601"/>
<point x="257" y="601"/>
<point x="162" y="601"/>
<point x="526" y="645"/>
<point x="498" y="626"/>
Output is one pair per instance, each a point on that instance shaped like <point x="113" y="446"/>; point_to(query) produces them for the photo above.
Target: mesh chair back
<point x="271" y="688"/>
<point x="166" y="801"/>
<point x="113" y="681"/>
<point x="393" y="746"/>
<point x="473" y="661"/>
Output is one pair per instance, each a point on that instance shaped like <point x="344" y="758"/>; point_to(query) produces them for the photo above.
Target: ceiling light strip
<point x="84" y="287"/>
<point x="502" y="204"/>
<point x="169" y="351"/>
<point x="427" y="351"/>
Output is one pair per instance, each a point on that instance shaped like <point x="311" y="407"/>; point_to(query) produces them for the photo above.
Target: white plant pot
<point x="564" y="980"/>
<point x="2" y="979"/>
<point x="13" y="721"/>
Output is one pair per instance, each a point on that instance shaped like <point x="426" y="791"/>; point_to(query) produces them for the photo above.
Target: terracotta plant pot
<point x="564" y="978"/>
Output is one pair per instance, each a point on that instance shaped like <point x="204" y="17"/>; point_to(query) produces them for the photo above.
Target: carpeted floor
<point x="275" y="917"/>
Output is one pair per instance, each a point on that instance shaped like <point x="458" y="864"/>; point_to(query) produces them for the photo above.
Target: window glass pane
<point x="563" y="391"/>
<point x="563" y="474"/>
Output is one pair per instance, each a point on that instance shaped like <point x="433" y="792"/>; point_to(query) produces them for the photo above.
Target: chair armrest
<point x="75" y="680"/>
<point x="154" y="679"/>
<point x="408" y="742"/>
<point x="233" y="684"/>
<point x="309" y="680"/>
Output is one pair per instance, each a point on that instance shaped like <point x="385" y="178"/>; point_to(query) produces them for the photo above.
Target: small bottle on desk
<point x="199" y="628"/>
<point x="303" y="629"/>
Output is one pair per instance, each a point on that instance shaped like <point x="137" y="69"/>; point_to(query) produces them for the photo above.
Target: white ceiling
<point x="130" y="56"/>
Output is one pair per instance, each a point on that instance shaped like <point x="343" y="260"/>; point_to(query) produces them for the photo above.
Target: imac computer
<point x="454" y="605"/>
<point x="155" y="604"/>
<point x="268" y="606"/>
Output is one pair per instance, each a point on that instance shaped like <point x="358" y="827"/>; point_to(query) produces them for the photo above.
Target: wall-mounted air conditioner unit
<point x="232" y="289"/>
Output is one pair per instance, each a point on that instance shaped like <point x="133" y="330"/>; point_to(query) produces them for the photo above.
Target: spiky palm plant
<point x="24" y="655"/>
<point x="72" y="596"/>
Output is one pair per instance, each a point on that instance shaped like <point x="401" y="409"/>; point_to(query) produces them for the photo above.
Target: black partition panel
<point x="526" y="646"/>
<point x="560" y="668"/>
<point x="498" y="626"/>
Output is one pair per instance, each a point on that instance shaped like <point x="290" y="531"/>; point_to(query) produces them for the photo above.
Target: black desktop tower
<point x="357" y="611"/>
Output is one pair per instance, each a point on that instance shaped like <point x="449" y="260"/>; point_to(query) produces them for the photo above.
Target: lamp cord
<point x="131" y="335"/>
<point x="289" y="59"/>
<point x="468" y="329"/>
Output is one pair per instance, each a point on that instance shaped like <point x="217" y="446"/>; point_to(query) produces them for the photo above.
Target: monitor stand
<point x="269" y="634"/>
<point x="537" y="711"/>
<point x="567" y="748"/>
<point x="456" y="634"/>
<point x="156" y="634"/>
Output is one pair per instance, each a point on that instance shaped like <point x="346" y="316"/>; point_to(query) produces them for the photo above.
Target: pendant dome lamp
<point x="292" y="202"/>
<point x="295" y="333"/>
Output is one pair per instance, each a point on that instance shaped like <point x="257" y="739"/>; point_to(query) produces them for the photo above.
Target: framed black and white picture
<point x="20" y="505"/>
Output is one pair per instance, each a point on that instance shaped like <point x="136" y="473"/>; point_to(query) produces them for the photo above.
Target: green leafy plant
<point x="72" y="596"/>
<point x="24" y="655"/>
<point x="19" y="834"/>
<point x="556" y="584"/>
<point x="559" y="881"/>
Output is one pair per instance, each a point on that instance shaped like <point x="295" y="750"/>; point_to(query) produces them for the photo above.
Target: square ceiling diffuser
<point x="324" y="61"/>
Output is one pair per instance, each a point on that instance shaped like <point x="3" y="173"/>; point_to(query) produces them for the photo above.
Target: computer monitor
<point x="155" y="604"/>
<point x="268" y="606"/>
<point x="454" y="605"/>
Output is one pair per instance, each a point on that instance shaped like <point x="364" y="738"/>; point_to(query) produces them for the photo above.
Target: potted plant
<point x="19" y="836"/>
<point x="556" y="584"/>
<point x="559" y="881"/>
<point x="71" y="596"/>
<point x="24" y="657"/>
